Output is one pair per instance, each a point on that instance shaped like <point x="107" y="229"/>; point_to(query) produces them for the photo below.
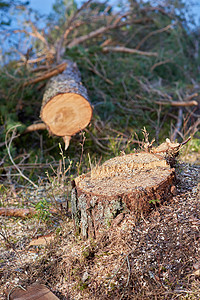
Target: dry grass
<point x="152" y="258"/>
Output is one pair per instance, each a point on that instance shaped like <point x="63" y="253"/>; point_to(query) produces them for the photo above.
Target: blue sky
<point x="45" y="6"/>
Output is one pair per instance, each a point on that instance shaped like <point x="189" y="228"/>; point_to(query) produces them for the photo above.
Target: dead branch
<point x="40" y="68"/>
<point x="10" y="156"/>
<point x="160" y="63"/>
<point x="185" y="142"/>
<point x="188" y="98"/>
<point x="35" y="127"/>
<point x="129" y="50"/>
<point x="17" y="212"/>
<point x="95" y="71"/>
<point x="38" y="35"/>
<point x="177" y="103"/>
<point x="146" y="86"/>
<point x="154" y="33"/>
<point x="21" y="212"/>
<point x="53" y="72"/>
<point x="157" y="8"/>
<point x="178" y="124"/>
<point x="36" y="60"/>
<point x="97" y="32"/>
<point x="63" y="39"/>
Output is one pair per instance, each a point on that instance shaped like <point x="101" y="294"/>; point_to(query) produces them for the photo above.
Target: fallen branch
<point x="129" y="50"/>
<point x="97" y="32"/>
<point x="17" y="212"/>
<point x="178" y="124"/>
<point x="160" y="63"/>
<point x="10" y="156"/>
<point x="178" y="103"/>
<point x="35" y="127"/>
<point x="189" y="97"/>
<point x="53" y="72"/>
<point x="21" y="212"/>
<point x="154" y="33"/>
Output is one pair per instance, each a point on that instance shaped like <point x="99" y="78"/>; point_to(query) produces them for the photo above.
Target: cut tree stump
<point x="132" y="183"/>
<point x="66" y="109"/>
<point x="35" y="291"/>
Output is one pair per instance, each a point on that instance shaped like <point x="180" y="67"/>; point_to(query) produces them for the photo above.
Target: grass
<point x="124" y="90"/>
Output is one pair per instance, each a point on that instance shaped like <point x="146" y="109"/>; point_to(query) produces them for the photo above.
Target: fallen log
<point x="66" y="109"/>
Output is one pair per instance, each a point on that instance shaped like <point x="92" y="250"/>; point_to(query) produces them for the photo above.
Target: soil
<point x="155" y="257"/>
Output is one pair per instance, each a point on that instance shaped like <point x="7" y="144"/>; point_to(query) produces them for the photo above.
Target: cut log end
<point x="66" y="114"/>
<point x="66" y="109"/>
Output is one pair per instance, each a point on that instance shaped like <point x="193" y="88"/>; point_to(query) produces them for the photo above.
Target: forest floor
<point x="156" y="257"/>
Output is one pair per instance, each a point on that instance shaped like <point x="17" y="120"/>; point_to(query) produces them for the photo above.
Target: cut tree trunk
<point x="66" y="109"/>
<point x="133" y="183"/>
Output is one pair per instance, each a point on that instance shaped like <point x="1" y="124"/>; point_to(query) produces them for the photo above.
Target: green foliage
<point x="154" y="201"/>
<point x="123" y="87"/>
<point x="42" y="208"/>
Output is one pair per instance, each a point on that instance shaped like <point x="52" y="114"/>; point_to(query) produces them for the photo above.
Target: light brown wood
<point x="132" y="183"/>
<point x="53" y="72"/>
<point x="66" y="109"/>
<point x="67" y="114"/>
<point x="17" y="212"/>
<point x="21" y="212"/>
<point x="35" y="291"/>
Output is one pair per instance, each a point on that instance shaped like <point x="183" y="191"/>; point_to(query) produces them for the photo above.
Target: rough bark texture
<point x="132" y="183"/>
<point x="65" y="107"/>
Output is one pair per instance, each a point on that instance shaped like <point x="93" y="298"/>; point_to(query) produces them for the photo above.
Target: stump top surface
<point x="126" y="174"/>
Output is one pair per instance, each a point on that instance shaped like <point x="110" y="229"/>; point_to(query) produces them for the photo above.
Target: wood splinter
<point x="66" y="140"/>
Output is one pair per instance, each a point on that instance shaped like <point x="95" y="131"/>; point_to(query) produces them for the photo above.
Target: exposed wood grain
<point x="35" y="291"/>
<point x="130" y="183"/>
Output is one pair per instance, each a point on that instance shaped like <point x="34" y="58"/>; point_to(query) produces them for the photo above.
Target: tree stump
<point x="132" y="183"/>
<point x="66" y="109"/>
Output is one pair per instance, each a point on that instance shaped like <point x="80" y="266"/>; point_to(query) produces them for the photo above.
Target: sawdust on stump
<point x="133" y="183"/>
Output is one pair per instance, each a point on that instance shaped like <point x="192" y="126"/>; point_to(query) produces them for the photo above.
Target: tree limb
<point x="96" y="32"/>
<point x="178" y="103"/>
<point x="35" y="127"/>
<point x="53" y="72"/>
<point x="153" y="33"/>
<point x="128" y="50"/>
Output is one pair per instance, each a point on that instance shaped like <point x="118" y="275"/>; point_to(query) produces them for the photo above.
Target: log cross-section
<point x="132" y="183"/>
<point x="66" y="109"/>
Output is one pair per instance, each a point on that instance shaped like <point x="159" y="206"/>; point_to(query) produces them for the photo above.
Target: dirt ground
<point x="155" y="257"/>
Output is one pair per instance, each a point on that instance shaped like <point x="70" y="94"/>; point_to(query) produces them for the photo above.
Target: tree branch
<point x="178" y="103"/>
<point x="128" y="50"/>
<point x="53" y="72"/>
<point x="153" y="33"/>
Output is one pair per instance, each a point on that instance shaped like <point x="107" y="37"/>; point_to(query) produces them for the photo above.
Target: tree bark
<point x="66" y="109"/>
<point x="133" y="183"/>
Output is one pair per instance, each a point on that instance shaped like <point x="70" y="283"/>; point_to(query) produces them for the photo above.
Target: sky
<point x="45" y="7"/>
